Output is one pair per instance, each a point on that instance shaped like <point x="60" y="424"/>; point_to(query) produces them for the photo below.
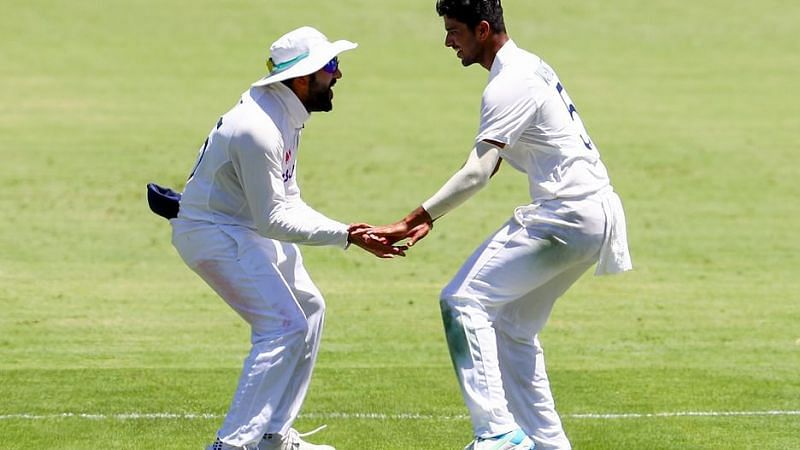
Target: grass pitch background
<point x="694" y="108"/>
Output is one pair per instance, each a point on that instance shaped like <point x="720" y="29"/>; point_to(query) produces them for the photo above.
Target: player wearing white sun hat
<point x="238" y="221"/>
<point x="301" y="52"/>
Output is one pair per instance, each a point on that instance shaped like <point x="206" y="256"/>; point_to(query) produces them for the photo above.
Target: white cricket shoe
<point x="219" y="445"/>
<point x="513" y="440"/>
<point x="291" y="441"/>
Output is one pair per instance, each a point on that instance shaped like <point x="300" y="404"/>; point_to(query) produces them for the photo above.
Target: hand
<point x="417" y="233"/>
<point x="399" y="231"/>
<point x="415" y="226"/>
<point x="378" y="246"/>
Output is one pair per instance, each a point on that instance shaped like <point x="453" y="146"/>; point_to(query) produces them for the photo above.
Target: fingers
<point x="361" y="229"/>
<point x="381" y="241"/>
<point x="395" y="230"/>
<point x="412" y="236"/>
<point x="358" y="226"/>
<point x="378" y="246"/>
<point x="417" y="233"/>
<point x="385" y="251"/>
<point x="385" y="234"/>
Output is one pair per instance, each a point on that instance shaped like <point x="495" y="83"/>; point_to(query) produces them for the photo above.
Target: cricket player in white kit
<point x="240" y="217"/>
<point x="495" y="307"/>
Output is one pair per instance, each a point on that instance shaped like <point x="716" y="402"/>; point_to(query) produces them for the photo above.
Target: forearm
<point x="277" y="215"/>
<point x="467" y="181"/>
<point x="299" y="223"/>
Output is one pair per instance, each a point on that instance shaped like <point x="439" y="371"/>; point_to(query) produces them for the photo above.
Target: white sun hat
<point x="300" y="52"/>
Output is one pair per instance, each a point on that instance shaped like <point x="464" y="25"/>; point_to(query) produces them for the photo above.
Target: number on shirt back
<point x="573" y="113"/>
<point x="204" y="147"/>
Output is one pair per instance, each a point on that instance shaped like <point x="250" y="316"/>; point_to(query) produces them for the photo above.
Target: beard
<point x="320" y="95"/>
<point x="468" y="59"/>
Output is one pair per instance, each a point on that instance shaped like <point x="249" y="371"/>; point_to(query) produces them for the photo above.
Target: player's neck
<point x="493" y="45"/>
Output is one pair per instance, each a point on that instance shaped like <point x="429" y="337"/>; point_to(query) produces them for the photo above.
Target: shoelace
<point x="315" y="430"/>
<point x="293" y="438"/>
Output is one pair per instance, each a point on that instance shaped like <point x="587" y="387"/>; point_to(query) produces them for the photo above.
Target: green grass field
<point x="108" y="341"/>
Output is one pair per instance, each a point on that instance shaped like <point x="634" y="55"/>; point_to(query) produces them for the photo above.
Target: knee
<point x="460" y="310"/>
<point x="461" y="293"/>
<point x="455" y="305"/>
<point x="447" y="297"/>
<point x="288" y="329"/>
<point x="315" y="308"/>
<point x="448" y="305"/>
<point x="297" y="325"/>
<point x="455" y="297"/>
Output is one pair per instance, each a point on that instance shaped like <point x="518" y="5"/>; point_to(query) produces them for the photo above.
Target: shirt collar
<point x="294" y="107"/>
<point x="502" y="58"/>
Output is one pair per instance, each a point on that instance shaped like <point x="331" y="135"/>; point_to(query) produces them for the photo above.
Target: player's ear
<point x="483" y="30"/>
<point x="299" y="86"/>
<point x="303" y="81"/>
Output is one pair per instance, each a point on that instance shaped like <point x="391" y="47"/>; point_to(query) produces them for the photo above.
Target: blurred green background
<point x="692" y="104"/>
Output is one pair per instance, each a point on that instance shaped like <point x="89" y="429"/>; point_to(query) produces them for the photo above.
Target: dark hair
<point x="472" y="12"/>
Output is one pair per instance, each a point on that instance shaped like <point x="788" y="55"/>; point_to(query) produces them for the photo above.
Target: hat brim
<point x="315" y="60"/>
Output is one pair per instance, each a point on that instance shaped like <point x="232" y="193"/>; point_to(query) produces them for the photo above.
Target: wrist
<point x="417" y="217"/>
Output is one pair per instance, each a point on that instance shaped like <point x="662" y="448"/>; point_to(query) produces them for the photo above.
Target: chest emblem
<point x="288" y="172"/>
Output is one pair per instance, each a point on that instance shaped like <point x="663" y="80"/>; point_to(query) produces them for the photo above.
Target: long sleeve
<point x="256" y="154"/>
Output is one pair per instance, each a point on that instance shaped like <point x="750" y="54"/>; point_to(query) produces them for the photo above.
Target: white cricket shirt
<point x="526" y="107"/>
<point x="246" y="172"/>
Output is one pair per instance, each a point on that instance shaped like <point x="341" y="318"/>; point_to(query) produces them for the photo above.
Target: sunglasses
<point x="332" y="66"/>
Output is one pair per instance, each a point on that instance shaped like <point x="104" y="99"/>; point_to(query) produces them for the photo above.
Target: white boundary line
<point x="684" y="414"/>
<point x="379" y="416"/>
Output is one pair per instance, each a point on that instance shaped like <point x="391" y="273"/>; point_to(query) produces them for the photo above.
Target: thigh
<point x="305" y="291"/>
<point x="516" y="260"/>
<point x="523" y="319"/>
<point x="243" y="269"/>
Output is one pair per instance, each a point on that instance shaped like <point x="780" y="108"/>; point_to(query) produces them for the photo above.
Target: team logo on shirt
<point x="288" y="173"/>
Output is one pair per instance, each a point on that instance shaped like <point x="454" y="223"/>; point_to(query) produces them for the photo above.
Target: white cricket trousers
<point x="265" y="282"/>
<point x="501" y="298"/>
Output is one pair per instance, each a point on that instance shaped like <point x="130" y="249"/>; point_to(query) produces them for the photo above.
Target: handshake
<point x="383" y="241"/>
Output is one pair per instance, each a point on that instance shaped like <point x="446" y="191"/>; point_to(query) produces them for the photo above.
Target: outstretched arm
<point x="482" y="163"/>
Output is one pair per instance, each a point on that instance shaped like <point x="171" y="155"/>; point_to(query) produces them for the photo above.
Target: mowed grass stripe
<point x="690" y="107"/>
